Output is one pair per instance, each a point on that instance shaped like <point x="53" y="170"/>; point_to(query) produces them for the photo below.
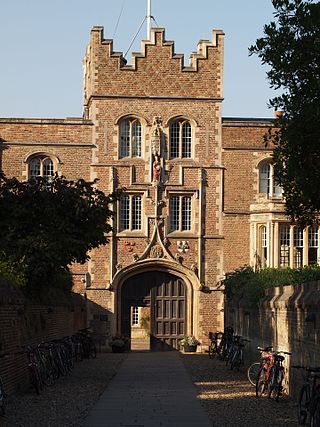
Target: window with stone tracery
<point x="180" y="213"/>
<point x="289" y="245"/>
<point x="130" y="212"/>
<point x="267" y="182"/>
<point x="130" y="137"/>
<point x="41" y="166"/>
<point x="180" y="139"/>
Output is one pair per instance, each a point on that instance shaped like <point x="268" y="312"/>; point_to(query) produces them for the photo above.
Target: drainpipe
<point x="200" y="239"/>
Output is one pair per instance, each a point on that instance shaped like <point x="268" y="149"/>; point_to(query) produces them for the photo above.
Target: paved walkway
<point x="150" y="390"/>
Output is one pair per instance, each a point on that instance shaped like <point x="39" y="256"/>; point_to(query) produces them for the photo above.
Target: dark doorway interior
<point x="165" y="294"/>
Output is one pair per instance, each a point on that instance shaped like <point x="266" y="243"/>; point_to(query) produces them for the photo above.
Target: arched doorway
<point x="164" y="297"/>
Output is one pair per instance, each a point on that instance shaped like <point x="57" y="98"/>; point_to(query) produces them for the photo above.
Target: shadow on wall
<point x="24" y="322"/>
<point x="288" y="317"/>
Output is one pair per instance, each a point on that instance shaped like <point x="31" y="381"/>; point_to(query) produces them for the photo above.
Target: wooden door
<point x="168" y="301"/>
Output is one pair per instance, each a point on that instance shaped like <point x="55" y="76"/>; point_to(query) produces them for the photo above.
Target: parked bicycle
<point x="271" y="374"/>
<point x="215" y="341"/>
<point x="220" y="342"/>
<point x="275" y="385"/>
<point x="236" y="356"/>
<point x="89" y="347"/>
<point x="3" y="394"/>
<point x="254" y="369"/>
<point x="309" y="397"/>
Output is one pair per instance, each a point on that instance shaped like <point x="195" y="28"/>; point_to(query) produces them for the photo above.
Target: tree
<point x="291" y="47"/>
<point x="46" y="227"/>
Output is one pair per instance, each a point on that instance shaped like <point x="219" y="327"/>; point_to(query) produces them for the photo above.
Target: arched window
<point x="130" y="138"/>
<point x="180" y="139"/>
<point x="41" y="166"/>
<point x="267" y="182"/>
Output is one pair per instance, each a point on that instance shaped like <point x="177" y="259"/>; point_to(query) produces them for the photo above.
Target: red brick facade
<point x="219" y="176"/>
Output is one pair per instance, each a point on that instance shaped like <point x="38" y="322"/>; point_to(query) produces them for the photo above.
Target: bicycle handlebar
<point x="268" y="348"/>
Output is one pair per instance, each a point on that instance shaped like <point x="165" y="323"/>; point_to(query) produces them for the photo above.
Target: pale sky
<point x="43" y="42"/>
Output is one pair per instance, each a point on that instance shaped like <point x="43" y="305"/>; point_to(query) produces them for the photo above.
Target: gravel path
<point x="226" y="395"/>
<point x="69" y="400"/>
<point x="230" y="400"/>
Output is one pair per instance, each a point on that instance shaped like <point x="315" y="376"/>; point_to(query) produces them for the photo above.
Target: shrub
<point x="245" y="282"/>
<point x="10" y="274"/>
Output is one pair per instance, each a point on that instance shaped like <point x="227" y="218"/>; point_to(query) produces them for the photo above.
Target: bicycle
<point x="214" y="346"/>
<point x="89" y="347"/>
<point x="275" y="383"/>
<point x="254" y="368"/>
<point x="271" y="374"/>
<point x="264" y="373"/>
<point x="225" y="343"/>
<point x="309" y="397"/>
<point x="3" y="394"/>
<point x="237" y="358"/>
<point x="34" y="369"/>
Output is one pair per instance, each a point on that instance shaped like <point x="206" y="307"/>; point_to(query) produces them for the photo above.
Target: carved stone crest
<point x="156" y="251"/>
<point x="183" y="246"/>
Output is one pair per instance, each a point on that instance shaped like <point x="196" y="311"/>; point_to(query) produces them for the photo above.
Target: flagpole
<point x="149" y="19"/>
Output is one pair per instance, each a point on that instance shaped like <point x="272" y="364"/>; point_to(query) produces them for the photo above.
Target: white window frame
<point x="313" y="243"/>
<point x="130" y="138"/>
<point x="183" y="143"/>
<point x="284" y="245"/>
<point x="267" y="184"/>
<point x="263" y="245"/>
<point x="135" y="315"/>
<point x="298" y="244"/>
<point x="46" y="168"/>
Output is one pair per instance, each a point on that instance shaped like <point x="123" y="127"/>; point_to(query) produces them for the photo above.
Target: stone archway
<point x="165" y="296"/>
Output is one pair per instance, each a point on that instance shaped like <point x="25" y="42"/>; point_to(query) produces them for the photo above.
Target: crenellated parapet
<point x="156" y="71"/>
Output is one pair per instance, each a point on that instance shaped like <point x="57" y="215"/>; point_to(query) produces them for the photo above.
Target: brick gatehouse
<point x="200" y="197"/>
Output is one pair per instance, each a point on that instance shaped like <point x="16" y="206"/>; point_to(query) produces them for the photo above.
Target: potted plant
<point x="189" y="343"/>
<point x="119" y="344"/>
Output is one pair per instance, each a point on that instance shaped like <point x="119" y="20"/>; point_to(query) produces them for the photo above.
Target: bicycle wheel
<point x="272" y="382"/>
<point x="278" y="387"/>
<point x="253" y="372"/>
<point x="236" y="360"/>
<point x="304" y="398"/>
<point x="315" y="413"/>
<point x="93" y="350"/>
<point x="212" y="349"/>
<point x="35" y="379"/>
<point x="2" y="399"/>
<point x="260" y="384"/>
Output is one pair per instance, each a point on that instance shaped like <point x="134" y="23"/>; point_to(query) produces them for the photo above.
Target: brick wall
<point x="287" y="318"/>
<point x="23" y="322"/>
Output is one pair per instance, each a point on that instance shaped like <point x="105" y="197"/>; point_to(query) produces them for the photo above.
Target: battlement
<point x="156" y="71"/>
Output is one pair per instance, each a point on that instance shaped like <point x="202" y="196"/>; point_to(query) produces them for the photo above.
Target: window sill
<point x="181" y="234"/>
<point x="129" y="233"/>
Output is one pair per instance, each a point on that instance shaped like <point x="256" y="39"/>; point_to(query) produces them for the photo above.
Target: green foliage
<point x="189" y="340"/>
<point x="246" y="283"/>
<point x="291" y="47"/>
<point x="46" y="227"/>
<point x="10" y="274"/>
